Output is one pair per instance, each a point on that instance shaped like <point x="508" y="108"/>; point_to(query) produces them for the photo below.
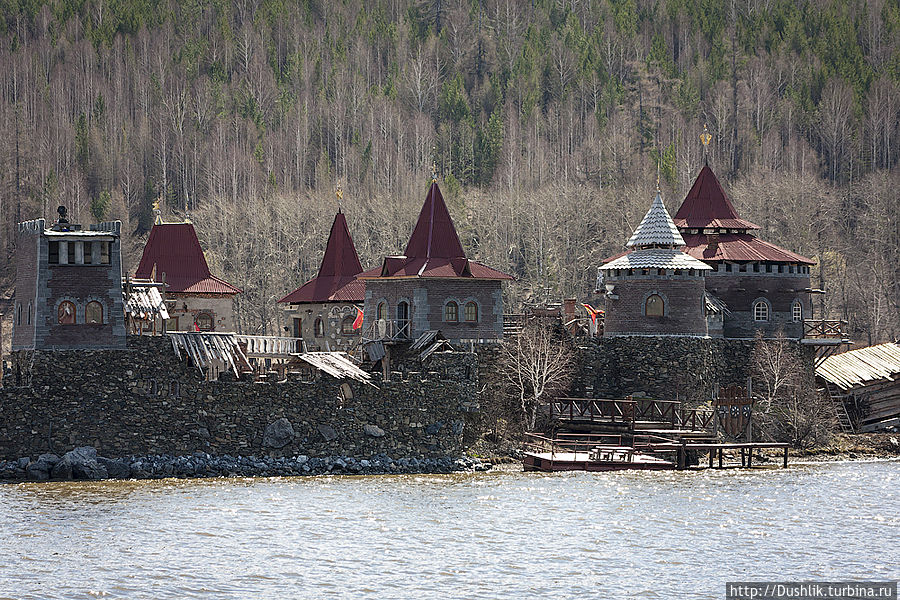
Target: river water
<point x="504" y="534"/>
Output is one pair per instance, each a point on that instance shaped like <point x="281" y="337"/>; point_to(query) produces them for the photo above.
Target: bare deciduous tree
<point x="788" y="406"/>
<point x="537" y="363"/>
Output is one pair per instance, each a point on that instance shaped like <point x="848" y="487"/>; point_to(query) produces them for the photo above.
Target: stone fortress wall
<point x="144" y="400"/>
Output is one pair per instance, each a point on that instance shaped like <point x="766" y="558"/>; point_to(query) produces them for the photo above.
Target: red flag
<point x="359" y="319"/>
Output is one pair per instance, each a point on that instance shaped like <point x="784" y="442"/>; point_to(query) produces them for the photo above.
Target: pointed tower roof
<point x="336" y="281"/>
<point x="707" y="205"/>
<point x="434" y="249"/>
<point x="173" y="249"/>
<point x="434" y="235"/>
<point x="655" y="244"/>
<point x="657" y="228"/>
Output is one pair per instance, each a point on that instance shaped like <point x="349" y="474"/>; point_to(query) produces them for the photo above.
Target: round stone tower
<point x="655" y="288"/>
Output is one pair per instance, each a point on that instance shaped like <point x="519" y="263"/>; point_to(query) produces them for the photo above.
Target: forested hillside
<point x="546" y="120"/>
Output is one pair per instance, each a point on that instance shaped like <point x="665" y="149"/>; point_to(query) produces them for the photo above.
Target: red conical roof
<point x="336" y="281"/>
<point x="173" y="249"/>
<point x="434" y="249"/>
<point x="707" y="205"/>
<point x="434" y="235"/>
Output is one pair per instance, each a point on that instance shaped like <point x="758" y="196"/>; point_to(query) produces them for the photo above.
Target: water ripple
<point x="498" y="535"/>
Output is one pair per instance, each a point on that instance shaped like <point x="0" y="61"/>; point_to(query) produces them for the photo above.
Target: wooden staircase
<point x="840" y="408"/>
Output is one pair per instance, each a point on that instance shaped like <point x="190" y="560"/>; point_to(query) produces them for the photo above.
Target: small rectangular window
<point x="87" y="252"/>
<point x="71" y="246"/>
<point x="172" y="324"/>
<point x="728" y="267"/>
<point x="53" y="257"/>
<point x="104" y="253"/>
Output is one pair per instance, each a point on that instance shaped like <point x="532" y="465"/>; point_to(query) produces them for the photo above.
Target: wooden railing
<point x="387" y="329"/>
<point x="823" y="328"/>
<point x="592" y="409"/>
<point x="629" y="410"/>
<point x="671" y="412"/>
<point x="262" y="346"/>
<point x="535" y="442"/>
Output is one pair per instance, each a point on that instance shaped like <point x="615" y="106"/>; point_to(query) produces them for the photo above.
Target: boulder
<point x="37" y="471"/>
<point x="374" y="431"/>
<point x="434" y="428"/>
<point x="40" y="469"/>
<point x="278" y="434"/>
<point x="116" y="469"/>
<point x="80" y="463"/>
<point x="327" y="432"/>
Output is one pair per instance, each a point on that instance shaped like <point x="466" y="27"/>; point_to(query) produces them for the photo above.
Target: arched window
<point x="760" y="310"/>
<point x="471" y="312"/>
<point x="65" y="314"/>
<point x="93" y="312"/>
<point x="451" y="312"/>
<point x="655" y="306"/>
<point x="319" y="327"/>
<point x="381" y="311"/>
<point x="30" y="314"/>
<point x="204" y="322"/>
<point x="797" y="311"/>
<point x="18" y="314"/>
<point x="347" y="326"/>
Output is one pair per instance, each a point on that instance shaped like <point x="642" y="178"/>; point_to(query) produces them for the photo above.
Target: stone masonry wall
<point x="144" y="400"/>
<point x="683" y="305"/>
<point x="665" y="368"/>
<point x="427" y="297"/>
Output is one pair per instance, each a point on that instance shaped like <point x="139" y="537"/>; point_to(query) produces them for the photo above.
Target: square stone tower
<point x="68" y="286"/>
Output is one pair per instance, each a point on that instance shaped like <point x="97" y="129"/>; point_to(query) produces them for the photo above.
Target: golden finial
<point x="434" y="171"/>
<point x="339" y="193"/>
<point x="157" y="212"/>
<point x="705" y="138"/>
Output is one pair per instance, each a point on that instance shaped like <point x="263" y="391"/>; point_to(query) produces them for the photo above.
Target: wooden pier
<point x="596" y="434"/>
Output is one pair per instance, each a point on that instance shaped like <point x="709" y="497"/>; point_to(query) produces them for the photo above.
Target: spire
<point x="434" y="235"/>
<point x="341" y="259"/>
<point x="707" y="205"/>
<point x="657" y="228"/>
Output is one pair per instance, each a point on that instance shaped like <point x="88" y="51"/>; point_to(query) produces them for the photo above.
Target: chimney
<point x="569" y="309"/>
<point x="712" y="241"/>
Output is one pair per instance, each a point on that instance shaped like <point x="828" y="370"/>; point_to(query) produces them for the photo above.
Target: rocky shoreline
<point x="84" y="464"/>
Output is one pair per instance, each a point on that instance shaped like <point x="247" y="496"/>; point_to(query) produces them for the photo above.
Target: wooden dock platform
<point x="605" y="452"/>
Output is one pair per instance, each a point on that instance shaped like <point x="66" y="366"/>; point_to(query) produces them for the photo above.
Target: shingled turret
<point x="654" y="288"/>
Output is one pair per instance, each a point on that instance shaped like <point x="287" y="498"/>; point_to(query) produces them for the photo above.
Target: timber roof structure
<point x="337" y="278"/>
<point x="173" y="249"/>
<point x="434" y="249"/>
<point x="865" y="366"/>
